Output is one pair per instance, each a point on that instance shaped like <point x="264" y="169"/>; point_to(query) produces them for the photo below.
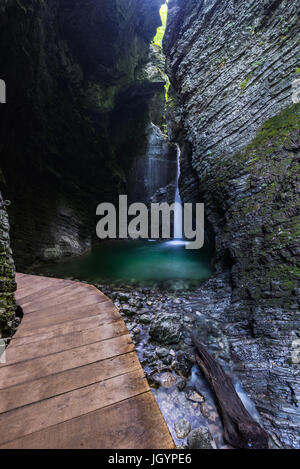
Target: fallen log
<point x="240" y="430"/>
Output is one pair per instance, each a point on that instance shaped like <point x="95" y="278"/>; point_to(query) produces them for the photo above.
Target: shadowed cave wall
<point x="77" y="113"/>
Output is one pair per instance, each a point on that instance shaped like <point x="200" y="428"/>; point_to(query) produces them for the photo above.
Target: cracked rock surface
<point x="232" y="66"/>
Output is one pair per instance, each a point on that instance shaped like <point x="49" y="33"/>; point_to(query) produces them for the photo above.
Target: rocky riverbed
<point x="161" y="317"/>
<point x="161" y="324"/>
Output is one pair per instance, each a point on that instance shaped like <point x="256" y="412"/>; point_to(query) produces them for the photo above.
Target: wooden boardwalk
<point x="72" y="378"/>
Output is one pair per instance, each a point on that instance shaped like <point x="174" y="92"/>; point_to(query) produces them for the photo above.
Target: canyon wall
<point x="77" y="113"/>
<point x="233" y="67"/>
<point x="8" y="319"/>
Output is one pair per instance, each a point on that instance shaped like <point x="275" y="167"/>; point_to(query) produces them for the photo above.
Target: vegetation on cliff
<point x="158" y="39"/>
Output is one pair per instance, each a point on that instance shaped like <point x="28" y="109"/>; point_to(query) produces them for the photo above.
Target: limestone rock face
<point x="76" y="115"/>
<point x="234" y="67"/>
<point x="8" y="320"/>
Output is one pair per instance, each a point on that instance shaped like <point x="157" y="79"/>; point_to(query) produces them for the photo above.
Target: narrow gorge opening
<point x="152" y="176"/>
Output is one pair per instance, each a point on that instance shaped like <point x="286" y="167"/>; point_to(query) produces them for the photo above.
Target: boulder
<point x="182" y="428"/>
<point x="201" y="438"/>
<point x="166" y="329"/>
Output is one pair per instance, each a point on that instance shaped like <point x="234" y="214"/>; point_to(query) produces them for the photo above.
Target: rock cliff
<point x="233" y="66"/>
<point x="8" y="318"/>
<point x="77" y="113"/>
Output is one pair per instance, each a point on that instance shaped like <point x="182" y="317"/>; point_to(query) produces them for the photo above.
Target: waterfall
<point x="178" y="202"/>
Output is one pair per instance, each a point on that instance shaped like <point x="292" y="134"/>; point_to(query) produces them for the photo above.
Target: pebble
<point x="188" y="319"/>
<point x="181" y="383"/>
<point x="205" y="410"/>
<point x="162" y="352"/>
<point x="128" y="310"/>
<point x="201" y="438"/>
<point x="182" y="428"/>
<point x="194" y="396"/>
<point x="166" y="380"/>
<point x="145" y="319"/>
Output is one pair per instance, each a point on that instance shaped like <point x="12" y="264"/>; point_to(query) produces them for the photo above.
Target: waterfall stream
<point x="178" y="202"/>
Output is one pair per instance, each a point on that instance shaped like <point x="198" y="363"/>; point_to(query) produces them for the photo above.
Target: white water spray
<point x="178" y="203"/>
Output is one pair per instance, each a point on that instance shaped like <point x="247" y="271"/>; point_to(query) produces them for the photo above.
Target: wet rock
<point x="128" y="310"/>
<point x="145" y="318"/>
<point x="166" y="329"/>
<point x="188" y="341"/>
<point x="183" y="363"/>
<point x="162" y="352"/>
<point x="201" y="438"/>
<point x="194" y="396"/>
<point x="296" y="352"/>
<point x="188" y="319"/>
<point x="136" y="332"/>
<point x="123" y="297"/>
<point x="148" y="357"/>
<point x="181" y="383"/>
<point x="182" y="428"/>
<point x="166" y="380"/>
<point x="205" y="410"/>
<point x="143" y="311"/>
<point x="167" y="361"/>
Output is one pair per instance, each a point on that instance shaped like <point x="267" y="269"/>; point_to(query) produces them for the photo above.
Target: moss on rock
<point x="262" y="227"/>
<point x="8" y="320"/>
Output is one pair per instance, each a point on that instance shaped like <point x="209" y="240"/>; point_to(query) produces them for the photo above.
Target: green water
<point x="142" y="262"/>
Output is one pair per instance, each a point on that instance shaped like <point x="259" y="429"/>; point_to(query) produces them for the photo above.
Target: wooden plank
<point x="37" y="279"/>
<point x="132" y="424"/>
<point x="35" y="283"/>
<point x="20" y="353"/>
<point x="43" y="319"/>
<point x="44" y="366"/>
<point x="60" y="383"/>
<point x="56" y="330"/>
<point x="20" y="275"/>
<point x="65" y="303"/>
<point x="48" y="293"/>
<point x="23" y="285"/>
<point x="58" y="292"/>
<point x="72" y="377"/>
<point x="27" y="278"/>
<point x="34" y="288"/>
<point x="32" y="418"/>
<point x="65" y="300"/>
